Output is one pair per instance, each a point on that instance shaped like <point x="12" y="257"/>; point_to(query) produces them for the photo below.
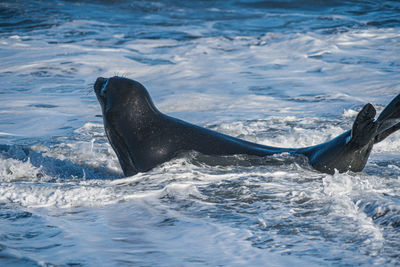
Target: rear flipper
<point x="350" y="150"/>
<point x="364" y="127"/>
<point x="389" y="120"/>
<point x="386" y="133"/>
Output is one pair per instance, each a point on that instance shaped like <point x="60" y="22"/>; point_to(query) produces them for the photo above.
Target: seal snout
<point x="99" y="85"/>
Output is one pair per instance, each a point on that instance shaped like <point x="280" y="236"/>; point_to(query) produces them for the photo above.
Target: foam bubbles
<point x="288" y="77"/>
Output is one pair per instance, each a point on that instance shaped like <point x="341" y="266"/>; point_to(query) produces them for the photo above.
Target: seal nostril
<point x="103" y="87"/>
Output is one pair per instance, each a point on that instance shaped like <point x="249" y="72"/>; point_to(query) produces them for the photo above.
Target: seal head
<point x="126" y="105"/>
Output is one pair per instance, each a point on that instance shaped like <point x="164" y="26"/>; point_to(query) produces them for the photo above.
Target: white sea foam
<point x="342" y="189"/>
<point x="267" y="83"/>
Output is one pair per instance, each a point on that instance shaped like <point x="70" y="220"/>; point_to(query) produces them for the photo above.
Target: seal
<point x="144" y="138"/>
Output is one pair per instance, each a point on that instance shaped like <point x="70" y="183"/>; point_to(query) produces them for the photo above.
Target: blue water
<point x="282" y="73"/>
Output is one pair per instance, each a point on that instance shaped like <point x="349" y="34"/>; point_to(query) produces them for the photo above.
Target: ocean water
<point x="283" y="73"/>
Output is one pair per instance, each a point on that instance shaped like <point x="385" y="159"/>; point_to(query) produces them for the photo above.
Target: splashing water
<point x="280" y="73"/>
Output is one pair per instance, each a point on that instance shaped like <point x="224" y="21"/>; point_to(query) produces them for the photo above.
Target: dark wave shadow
<point x="54" y="168"/>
